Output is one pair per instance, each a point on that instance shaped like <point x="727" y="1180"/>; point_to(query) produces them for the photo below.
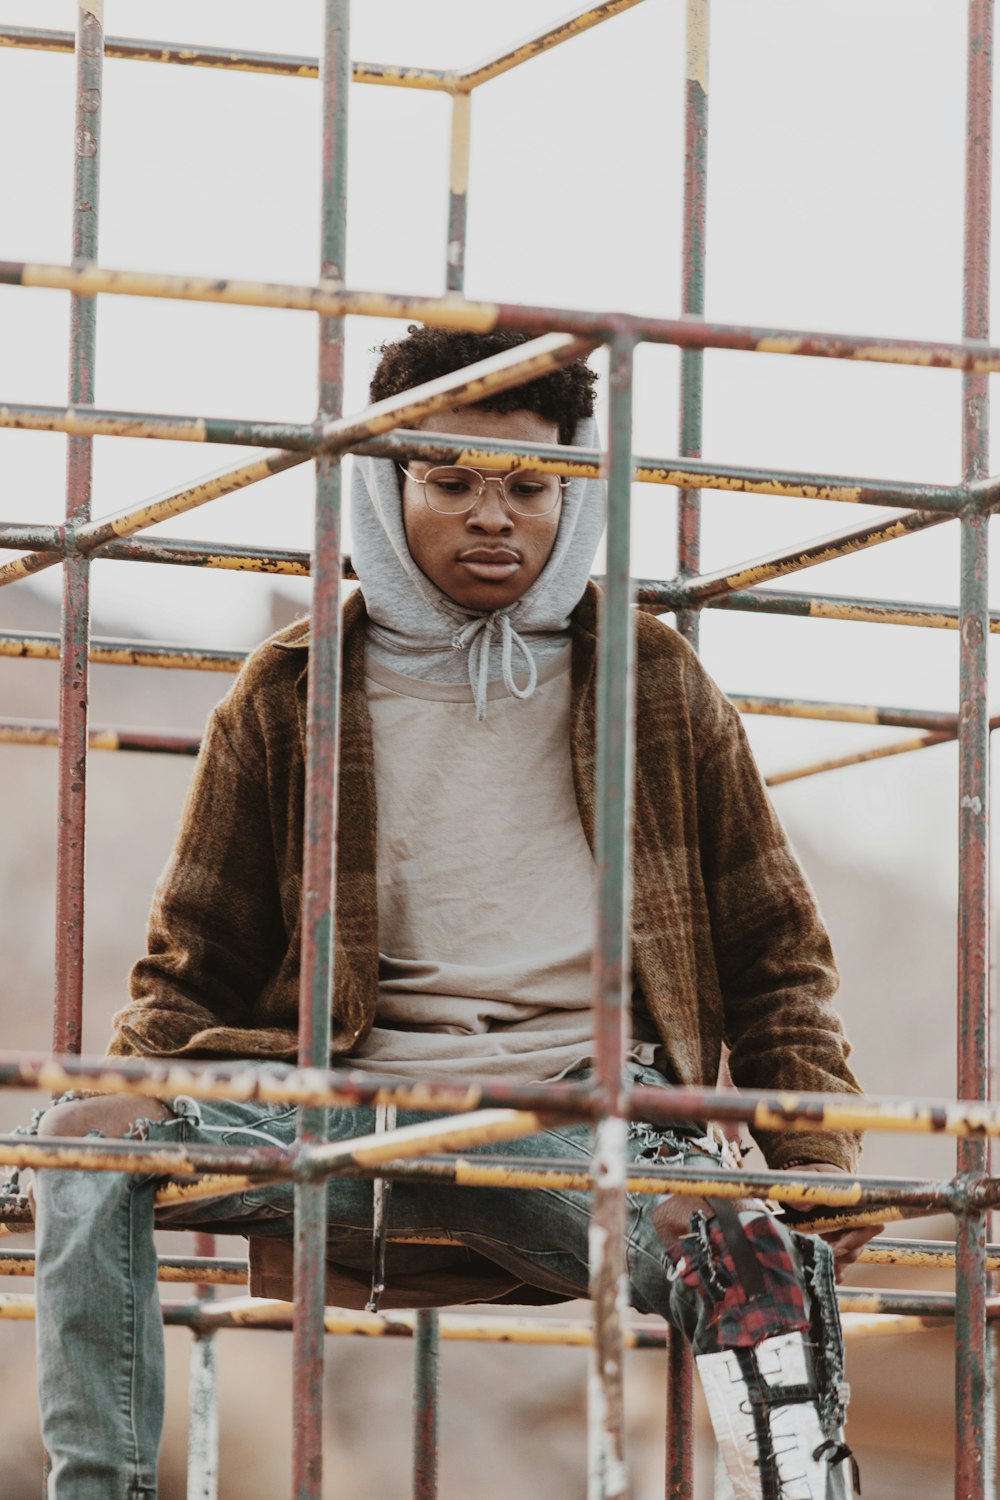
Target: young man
<point x="464" y="932"/>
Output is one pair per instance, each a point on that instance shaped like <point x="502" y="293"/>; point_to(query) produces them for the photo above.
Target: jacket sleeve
<point x="216" y="923"/>
<point x="775" y="965"/>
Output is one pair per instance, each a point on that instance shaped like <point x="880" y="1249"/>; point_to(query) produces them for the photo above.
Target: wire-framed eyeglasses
<point x="454" y="490"/>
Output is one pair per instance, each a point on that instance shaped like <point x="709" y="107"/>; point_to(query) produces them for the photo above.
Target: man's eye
<point x="452" y="486"/>
<point x="525" y="489"/>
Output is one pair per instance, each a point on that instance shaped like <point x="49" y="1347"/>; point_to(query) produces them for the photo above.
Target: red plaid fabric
<point x="704" y="1262"/>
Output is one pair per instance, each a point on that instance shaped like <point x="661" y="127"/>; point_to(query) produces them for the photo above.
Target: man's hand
<point x="847" y="1244"/>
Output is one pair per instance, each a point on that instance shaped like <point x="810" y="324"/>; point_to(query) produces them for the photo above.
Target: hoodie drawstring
<point x="477" y="637"/>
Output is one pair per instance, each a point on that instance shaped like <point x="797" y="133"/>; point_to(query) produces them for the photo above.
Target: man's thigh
<point x="539" y="1234"/>
<point x="264" y="1207"/>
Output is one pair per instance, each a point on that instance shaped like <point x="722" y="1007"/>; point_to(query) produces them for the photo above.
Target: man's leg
<point x="99" y="1326"/>
<point x="759" y="1304"/>
<point x="771" y="1349"/>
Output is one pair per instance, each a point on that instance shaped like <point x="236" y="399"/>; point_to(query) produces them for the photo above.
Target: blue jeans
<point x="100" y="1334"/>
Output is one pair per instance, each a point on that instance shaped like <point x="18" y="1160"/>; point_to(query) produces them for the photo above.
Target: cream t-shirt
<point x="486" y="883"/>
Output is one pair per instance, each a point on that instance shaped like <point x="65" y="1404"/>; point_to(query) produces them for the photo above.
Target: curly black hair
<point x="565" y="396"/>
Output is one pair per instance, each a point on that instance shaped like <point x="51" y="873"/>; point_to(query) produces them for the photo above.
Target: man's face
<point x="487" y="557"/>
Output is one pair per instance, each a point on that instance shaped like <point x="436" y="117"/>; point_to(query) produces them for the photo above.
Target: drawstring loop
<point x="477" y="637"/>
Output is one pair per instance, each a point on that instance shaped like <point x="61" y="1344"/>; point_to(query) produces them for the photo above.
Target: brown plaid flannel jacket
<point x="727" y="944"/>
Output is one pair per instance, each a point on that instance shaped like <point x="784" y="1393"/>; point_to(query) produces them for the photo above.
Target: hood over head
<point x="419" y="631"/>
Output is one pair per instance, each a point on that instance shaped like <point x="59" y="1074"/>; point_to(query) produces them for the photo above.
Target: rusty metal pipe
<point x="443" y="312"/>
<point x="339" y="1087"/>
<point x="24" y="732"/>
<point x="74" y="673"/>
<point x="40" y="39"/>
<point x="214" y="1270"/>
<point x="693" y="291"/>
<point x="974" y="1385"/>
<point x="282" y="65"/>
<point x="426" y="1373"/>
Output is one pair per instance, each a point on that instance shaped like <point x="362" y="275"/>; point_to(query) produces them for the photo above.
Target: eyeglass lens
<point x="454" y="490"/>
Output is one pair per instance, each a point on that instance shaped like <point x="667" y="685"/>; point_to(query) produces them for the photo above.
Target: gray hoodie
<point x="419" y="631"/>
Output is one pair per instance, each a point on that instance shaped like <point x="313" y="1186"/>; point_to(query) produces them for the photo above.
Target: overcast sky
<point x="835" y="202"/>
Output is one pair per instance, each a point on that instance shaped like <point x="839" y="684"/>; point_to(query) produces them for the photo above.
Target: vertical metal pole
<point x="974" y="1437"/>
<point x="680" y="1403"/>
<point x="607" y="1475"/>
<point x="322" y="757"/>
<point x="426" y="1361"/>
<point x="693" y="292"/>
<point x="203" y="1400"/>
<point x="680" y="1364"/>
<point x="75" y="627"/>
<point x="458" y="195"/>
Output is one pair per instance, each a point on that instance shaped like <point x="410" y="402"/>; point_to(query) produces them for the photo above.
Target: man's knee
<point x="671" y="1216"/>
<point x="111" y="1115"/>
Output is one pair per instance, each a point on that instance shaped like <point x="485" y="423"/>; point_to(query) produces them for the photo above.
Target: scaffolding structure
<point x="495" y="1111"/>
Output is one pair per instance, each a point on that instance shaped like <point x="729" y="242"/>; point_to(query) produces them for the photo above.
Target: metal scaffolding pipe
<point x="426" y="1372"/>
<point x="826" y="607"/>
<point x="976" y="358"/>
<point x="208" y="1269"/>
<point x="322" y="764"/>
<point x="859" y="758"/>
<point x="607" y="1476"/>
<point x="697" y="34"/>
<point x="278" y="1083"/>
<point x="40" y="39"/>
<point x="75" y="612"/>
<point x="974" y="1388"/>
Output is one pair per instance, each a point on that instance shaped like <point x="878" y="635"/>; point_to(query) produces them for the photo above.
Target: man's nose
<point x="490" y="512"/>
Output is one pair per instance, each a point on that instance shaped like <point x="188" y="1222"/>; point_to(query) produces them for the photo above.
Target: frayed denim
<point x="100" y="1334"/>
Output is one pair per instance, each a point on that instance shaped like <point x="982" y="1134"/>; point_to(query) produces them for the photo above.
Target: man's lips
<point x="490" y="563"/>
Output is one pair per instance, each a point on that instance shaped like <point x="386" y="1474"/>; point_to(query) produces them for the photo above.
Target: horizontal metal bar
<point x="87" y="539"/>
<point x="269" y="1316"/>
<point x="939" y="1254"/>
<point x="700" y="590"/>
<point x="216" y="1172"/>
<point x="680" y="473"/>
<point x="16" y="536"/>
<point x="542" y="41"/>
<point x="828" y="607"/>
<point x="284" y="561"/>
<point x="833" y="1199"/>
<point x="847" y="713"/>
<point x="26" y="732"/>
<point x="333" y="1088"/>
<point x="109" y="651"/>
<point x="233" y="1271"/>
<point x="105" y="1155"/>
<point x="860" y="757"/>
<point x="498" y="372"/>
<point x="907" y="1303"/>
<point x="284" y="65"/>
<point x="481" y="317"/>
<point x="861" y="1326"/>
<point x="197" y="1269"/>
<point x="95" y="421"/>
